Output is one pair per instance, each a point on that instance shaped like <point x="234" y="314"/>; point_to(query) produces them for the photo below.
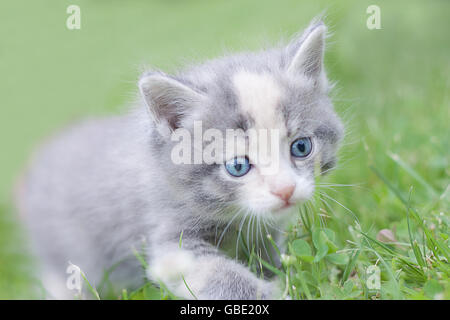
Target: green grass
<point x="393" y="91"/>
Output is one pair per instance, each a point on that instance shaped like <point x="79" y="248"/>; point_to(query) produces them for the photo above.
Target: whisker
<point x="262" y="237"/>
<point x="239" y="234"/>
<point x="334" y="200"/>
<point x="248" y="232"/>
<point x="226" y="228"/>
<point x="253" y="226"/>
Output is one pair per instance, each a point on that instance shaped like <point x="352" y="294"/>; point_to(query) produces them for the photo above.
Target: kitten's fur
<point x="108" y="185"/>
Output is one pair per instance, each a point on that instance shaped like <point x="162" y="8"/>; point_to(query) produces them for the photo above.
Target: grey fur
<point x="107" y="185"/>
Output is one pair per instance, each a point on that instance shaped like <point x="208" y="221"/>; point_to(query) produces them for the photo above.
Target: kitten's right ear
<point x="168" y="99"/>
<point x="308" y="51"/>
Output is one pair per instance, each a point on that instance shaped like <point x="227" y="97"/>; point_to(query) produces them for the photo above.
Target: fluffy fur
<point x="108" y="185"/>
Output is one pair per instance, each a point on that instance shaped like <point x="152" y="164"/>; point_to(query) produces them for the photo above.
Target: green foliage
<point x="333" y="265"/>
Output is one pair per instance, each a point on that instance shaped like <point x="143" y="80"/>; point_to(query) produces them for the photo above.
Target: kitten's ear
<point x="168" y="99"/>
<point x="307" y="52"/>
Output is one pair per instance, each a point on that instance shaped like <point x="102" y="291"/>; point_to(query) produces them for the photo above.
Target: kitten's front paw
<point x="171" y="266"/>
<point x="242" y="286"/>
<point x="272" y="291"/>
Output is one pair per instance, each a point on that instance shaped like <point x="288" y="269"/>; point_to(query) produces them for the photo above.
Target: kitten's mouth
<point x="284" y="207"/>
<point x="287" y="205"/>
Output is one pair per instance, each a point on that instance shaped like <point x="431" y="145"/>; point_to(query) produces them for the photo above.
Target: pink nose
<point x="285" y="192"/>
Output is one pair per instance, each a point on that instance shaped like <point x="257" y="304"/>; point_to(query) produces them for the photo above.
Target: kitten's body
<point x="108" y="185"/>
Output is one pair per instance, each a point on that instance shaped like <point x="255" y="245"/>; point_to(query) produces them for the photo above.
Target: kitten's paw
<point x="171" y="266"/>
<point x="272" y="290"/>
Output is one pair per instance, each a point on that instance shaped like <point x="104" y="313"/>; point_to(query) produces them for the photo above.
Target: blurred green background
<point x="392" y="86"/>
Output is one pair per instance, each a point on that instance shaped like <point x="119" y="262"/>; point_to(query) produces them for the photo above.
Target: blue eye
<point x="301" y="148"/>
<point x="238" y="166"/>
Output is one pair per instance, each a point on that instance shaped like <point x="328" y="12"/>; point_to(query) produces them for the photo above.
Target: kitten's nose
<point x="285" y="192"/>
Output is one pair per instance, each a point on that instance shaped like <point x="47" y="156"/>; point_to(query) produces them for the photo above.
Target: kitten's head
<point x="285" y="90"/>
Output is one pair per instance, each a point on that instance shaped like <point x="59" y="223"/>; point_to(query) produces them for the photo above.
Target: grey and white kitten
<point x="106" y="186"/>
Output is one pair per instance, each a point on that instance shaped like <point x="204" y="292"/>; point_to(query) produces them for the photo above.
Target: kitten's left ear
<point x="308" y="57"/>
<point x="168" y="100"/>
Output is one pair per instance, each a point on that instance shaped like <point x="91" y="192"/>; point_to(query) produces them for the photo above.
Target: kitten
<point x="108" y="185"/>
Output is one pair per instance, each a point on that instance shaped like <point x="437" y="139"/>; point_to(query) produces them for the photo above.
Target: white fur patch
<point x="171" y="266"/>
<point x="56" y="287"/>
<point x="175" y="265"/>
<point x="259" y="96"/>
